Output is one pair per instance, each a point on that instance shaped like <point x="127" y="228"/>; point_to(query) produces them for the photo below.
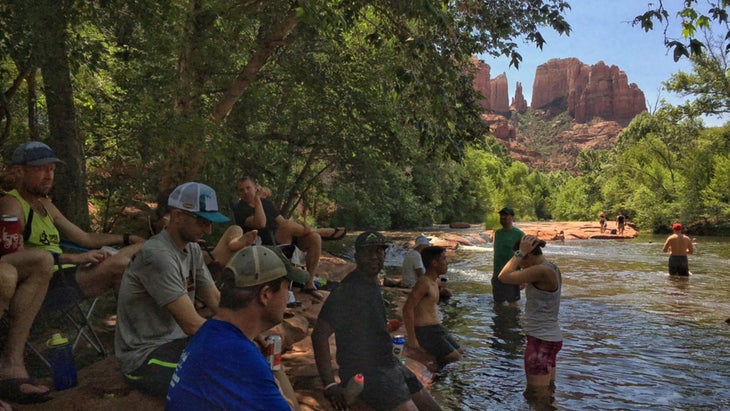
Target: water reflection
<point x="507" y="335"/>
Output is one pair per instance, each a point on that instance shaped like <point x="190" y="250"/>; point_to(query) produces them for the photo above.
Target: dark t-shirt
<point x="243" y="211"/>
<point x="356" y="311"/>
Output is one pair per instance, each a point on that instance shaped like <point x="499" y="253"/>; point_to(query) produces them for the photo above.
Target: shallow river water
<point x="634" y="338"/>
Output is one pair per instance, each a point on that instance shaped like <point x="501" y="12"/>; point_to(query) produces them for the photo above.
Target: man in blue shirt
<point x="222" y="368"/>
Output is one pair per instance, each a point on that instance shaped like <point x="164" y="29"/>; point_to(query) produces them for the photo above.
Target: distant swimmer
<point x="620" y="223"/>
<point x="679" y="246"/>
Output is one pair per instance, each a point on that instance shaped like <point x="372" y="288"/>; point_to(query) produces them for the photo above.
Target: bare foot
<point x="4" y="406"/>
<point x="33" y="388"/>
<point x="21" y="383"/>
<point x="244" y="240"/>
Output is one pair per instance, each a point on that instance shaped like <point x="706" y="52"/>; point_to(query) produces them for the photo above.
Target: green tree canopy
<point x="317" y="98"/>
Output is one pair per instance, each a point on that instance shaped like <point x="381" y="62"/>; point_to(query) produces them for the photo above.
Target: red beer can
<point x="273" y="351"/>
<point x="10" y="237"/>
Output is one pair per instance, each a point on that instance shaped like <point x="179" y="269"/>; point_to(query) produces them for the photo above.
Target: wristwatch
<point x="519" y="254"/>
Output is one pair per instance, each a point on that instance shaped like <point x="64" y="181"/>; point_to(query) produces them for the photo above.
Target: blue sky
<point x="602" y="31"/>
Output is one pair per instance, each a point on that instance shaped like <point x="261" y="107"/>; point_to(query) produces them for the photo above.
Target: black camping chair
<point x="67" y="309"/>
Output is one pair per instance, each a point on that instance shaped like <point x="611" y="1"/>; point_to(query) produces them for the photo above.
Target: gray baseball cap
<point x="34" y="153"/>
<point x="258" y="264"/>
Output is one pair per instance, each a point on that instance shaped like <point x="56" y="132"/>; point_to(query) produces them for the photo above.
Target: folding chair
<point x="66" y="304"/>
<point x="67" y="299"/>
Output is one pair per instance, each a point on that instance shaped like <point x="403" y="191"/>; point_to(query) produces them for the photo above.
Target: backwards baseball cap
<point x="422" y="240"/>
<point x="676" y="226"/>
<point x="258" y="264"/>
<point x="507" y="210"/>
<point x="198" y="199"/>
<point x="34" y="153"/>
<point x="369" y="238"/>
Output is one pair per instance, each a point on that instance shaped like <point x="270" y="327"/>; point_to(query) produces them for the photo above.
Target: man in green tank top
<point x="97" y="269"/>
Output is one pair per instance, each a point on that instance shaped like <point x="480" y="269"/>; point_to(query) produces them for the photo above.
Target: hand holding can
<point x="10" y="237"/>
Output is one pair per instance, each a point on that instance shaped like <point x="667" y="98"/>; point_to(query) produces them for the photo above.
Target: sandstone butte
<point x="101" y="386"/>
<point x="584" y="91"/>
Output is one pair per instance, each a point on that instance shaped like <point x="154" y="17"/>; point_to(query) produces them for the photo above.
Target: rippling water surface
<point x="634" y="338"/>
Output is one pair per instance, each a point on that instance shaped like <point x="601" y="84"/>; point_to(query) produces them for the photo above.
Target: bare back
<point x="678" y="244"/>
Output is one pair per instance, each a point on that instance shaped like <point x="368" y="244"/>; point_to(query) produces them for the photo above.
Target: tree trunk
<point x="5" y="98"/>
<point x="278" y="34"/>
<point x="49" y="28"/>
<point x="32" y="104"/>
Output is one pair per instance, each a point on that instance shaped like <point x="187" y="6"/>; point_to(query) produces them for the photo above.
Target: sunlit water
<point x="634" y="338"/>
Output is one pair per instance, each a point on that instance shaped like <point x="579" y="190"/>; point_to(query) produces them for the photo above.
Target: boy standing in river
<point x="425" y="332"/>
<point x="678" y="245"/>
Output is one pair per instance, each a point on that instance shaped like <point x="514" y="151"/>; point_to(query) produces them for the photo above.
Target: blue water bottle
<point x="62" y="361"/>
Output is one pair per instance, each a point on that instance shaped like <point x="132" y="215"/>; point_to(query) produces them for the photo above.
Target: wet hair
<point x="430" y="253"/>
<point x="236" y="298"/>
<point x="536" y="251"/>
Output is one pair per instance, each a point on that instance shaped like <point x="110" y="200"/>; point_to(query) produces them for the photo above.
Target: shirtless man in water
<point x="678" y="245"/>
<point x="425" y="332"/>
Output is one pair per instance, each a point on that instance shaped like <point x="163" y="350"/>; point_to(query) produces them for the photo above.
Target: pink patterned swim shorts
<point x="540" y="355"/>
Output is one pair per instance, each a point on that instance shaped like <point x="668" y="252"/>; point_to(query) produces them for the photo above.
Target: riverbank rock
<point x="574" y="230"/>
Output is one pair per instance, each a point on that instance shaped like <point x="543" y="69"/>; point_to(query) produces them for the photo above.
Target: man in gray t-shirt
<point x="413" y="267"/>
<point x="156" y="305"/>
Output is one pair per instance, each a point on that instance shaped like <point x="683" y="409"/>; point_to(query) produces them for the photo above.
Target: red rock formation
<point x="599" y="135"/>
<point x="499" y="126"/>
<point x="519" y="104"/>
<point x="495" y="91"/>
<point x="481" y="82"/>
<point x="499" y="94"/>
<point x="586" y="91"/>
<point x="596" y="135"/>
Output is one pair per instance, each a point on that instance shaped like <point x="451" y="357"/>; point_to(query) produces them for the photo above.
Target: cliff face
<point x="586" y="91"/>
<point x="498" y="95"/>
<point x="519" y="104"/>
<point x="499" y="126"/>
<point x="544" y="138"/>
<point x="495" y="91"/>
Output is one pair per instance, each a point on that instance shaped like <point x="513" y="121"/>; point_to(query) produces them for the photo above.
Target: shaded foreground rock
<point x="101" y="385"/>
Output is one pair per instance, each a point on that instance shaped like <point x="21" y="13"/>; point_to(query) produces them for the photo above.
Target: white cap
<point x="422" y="240"/>
<point x="198" y="199"/>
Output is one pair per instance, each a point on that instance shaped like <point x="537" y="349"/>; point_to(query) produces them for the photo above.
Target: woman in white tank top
<point x="543" y="283"/>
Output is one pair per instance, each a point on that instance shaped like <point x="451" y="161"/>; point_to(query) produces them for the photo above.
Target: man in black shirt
<point x="355" y="313"/>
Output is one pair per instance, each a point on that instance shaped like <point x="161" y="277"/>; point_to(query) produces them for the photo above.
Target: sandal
<point x="338" y="234"/>
<point x="10" y="391"/>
